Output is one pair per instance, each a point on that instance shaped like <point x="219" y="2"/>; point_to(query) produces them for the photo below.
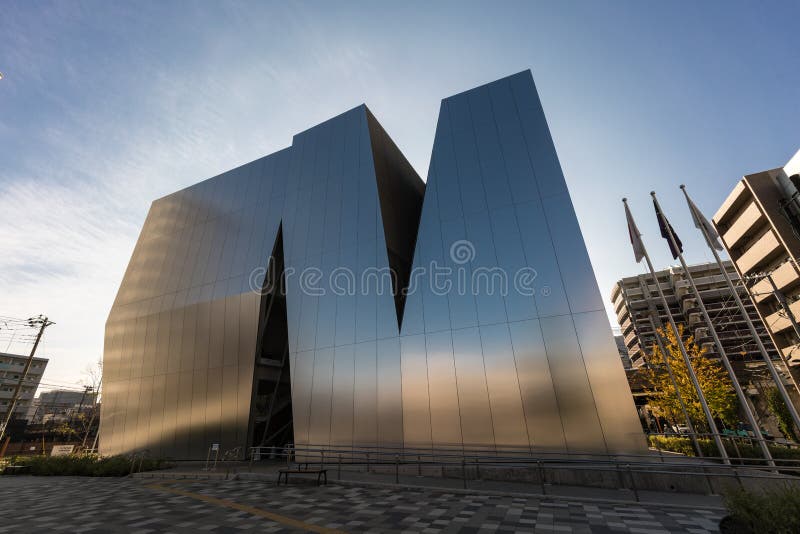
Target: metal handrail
<point x="393" y="456"/>
<point x="377" y="457"/>
<point x="511" y="454"/>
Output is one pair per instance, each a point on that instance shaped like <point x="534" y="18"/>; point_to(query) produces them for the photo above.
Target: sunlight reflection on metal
<point x="444" y="366"/>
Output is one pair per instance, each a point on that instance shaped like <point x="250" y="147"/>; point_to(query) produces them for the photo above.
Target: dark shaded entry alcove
<point x="271" y="414"/>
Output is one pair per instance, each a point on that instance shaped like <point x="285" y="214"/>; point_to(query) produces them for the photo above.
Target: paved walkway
<point x="95" y="505"/>
<point x="268" y="472"/>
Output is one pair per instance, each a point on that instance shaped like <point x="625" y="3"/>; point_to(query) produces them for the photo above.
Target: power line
<point x="42" y="323"/>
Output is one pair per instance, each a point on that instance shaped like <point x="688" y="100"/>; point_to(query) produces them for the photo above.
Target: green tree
<point x="781" y="412"/>
<point x="64" y="430"/>
<point x="713" y="378"/>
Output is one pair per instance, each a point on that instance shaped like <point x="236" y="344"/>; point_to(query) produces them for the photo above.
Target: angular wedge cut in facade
<point x="312" y="297"/>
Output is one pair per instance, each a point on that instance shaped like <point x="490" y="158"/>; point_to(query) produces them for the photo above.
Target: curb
<point x="182" y="476"/>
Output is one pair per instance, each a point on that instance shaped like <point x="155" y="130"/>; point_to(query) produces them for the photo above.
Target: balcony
<point x="778" y="322"/>
<point x="734" y="199"/>
<point x="764" y="249"/>
<point x="784" y="276"/>
<point x="745" y="224"/>
<point x="792" y="353"/>
<point x="631" y="339"/>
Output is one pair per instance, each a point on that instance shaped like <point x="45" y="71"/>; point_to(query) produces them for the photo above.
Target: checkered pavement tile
<point x="95" y="505"/>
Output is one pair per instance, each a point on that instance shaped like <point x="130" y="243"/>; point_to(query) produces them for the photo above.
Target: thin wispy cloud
<point x="105" y="106"/>
<point x="72" y="204"/>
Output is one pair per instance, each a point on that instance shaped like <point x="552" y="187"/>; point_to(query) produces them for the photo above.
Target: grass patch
<point x="83" y="465"/>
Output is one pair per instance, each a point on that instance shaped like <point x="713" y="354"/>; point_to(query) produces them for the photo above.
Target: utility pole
<point x="781" y="298"/>
<point x="94" y="413"/>
<point x="785" y="305"/>
<point x="86" y="389"/>
<point x="787" y="311"/>
<point x="43" y="323"/>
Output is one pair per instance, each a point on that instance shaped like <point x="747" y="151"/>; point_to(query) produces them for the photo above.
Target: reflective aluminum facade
<point x="489" y="331"/>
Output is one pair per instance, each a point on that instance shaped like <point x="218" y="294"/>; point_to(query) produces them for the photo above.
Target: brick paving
<point x="95" y="505"/>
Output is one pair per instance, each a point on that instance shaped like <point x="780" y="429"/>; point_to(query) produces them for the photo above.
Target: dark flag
<point x="663" y="224"/>
<point x="633" y="232"/>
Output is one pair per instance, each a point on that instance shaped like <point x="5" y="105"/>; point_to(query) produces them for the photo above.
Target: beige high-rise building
<point x="759" y="224"/>
<point x="639" y="312"/>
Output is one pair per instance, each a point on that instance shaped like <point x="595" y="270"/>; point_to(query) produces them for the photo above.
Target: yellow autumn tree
<point x="714" y="381"/>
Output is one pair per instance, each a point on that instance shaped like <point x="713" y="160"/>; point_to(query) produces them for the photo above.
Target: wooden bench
<point x="16" y="469"/>
<point x="322" y="474"/>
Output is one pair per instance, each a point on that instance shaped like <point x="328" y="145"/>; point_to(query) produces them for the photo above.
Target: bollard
<point x="397" y="469"/>
<point x="708" y="481"/>
<point x="736" y="448"/>
<point x="620" y="479"/>
<point x="633" y="483"/>
<point x="541" y="475"/>
<point x="737" y="477"/>
<point x="464" y="471"/>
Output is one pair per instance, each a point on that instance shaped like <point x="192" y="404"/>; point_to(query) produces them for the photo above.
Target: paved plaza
<point x="94" y="505"/>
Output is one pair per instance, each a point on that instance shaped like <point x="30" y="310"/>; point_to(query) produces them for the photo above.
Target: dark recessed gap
<point x="271" y="413"/>
<point x="400" y="192"/>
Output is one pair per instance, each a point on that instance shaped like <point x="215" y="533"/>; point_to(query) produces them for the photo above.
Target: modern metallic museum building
<point x="325" y="295"/>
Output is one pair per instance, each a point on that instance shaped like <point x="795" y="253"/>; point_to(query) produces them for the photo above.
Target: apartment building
<point x="60" y="405"/>
<point x="759" y="224"/>
<point x="639" y="312"/>
<point x="11" y="368"/>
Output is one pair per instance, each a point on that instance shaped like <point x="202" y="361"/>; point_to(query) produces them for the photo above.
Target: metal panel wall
<point x="484" y="358"/>
<point x="539" y="372"/>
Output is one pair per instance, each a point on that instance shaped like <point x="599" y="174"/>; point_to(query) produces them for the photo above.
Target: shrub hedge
<point x="83" y="465"/>
<point x="775" y="511"/>
<point x="745" y="450"/>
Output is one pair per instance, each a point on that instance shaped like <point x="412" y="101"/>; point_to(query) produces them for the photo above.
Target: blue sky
<point x="105" y="106"/>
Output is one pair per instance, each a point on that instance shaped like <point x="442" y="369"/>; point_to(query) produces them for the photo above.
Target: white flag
<point x="700" y="222"/>
<point x="635" y="235"/>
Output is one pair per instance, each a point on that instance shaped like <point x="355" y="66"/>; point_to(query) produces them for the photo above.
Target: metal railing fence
<point x="468" y="463"/>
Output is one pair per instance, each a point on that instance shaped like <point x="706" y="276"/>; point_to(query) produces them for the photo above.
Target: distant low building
<point x="12" y="367"/>
<point x="59" y="405"/>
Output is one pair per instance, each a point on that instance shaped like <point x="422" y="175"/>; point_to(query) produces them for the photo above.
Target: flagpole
<point x="722" y="354"/>
<point x="674" y="382"/>
<point x="764" y="353"/>
<point x="706" y="411"/>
